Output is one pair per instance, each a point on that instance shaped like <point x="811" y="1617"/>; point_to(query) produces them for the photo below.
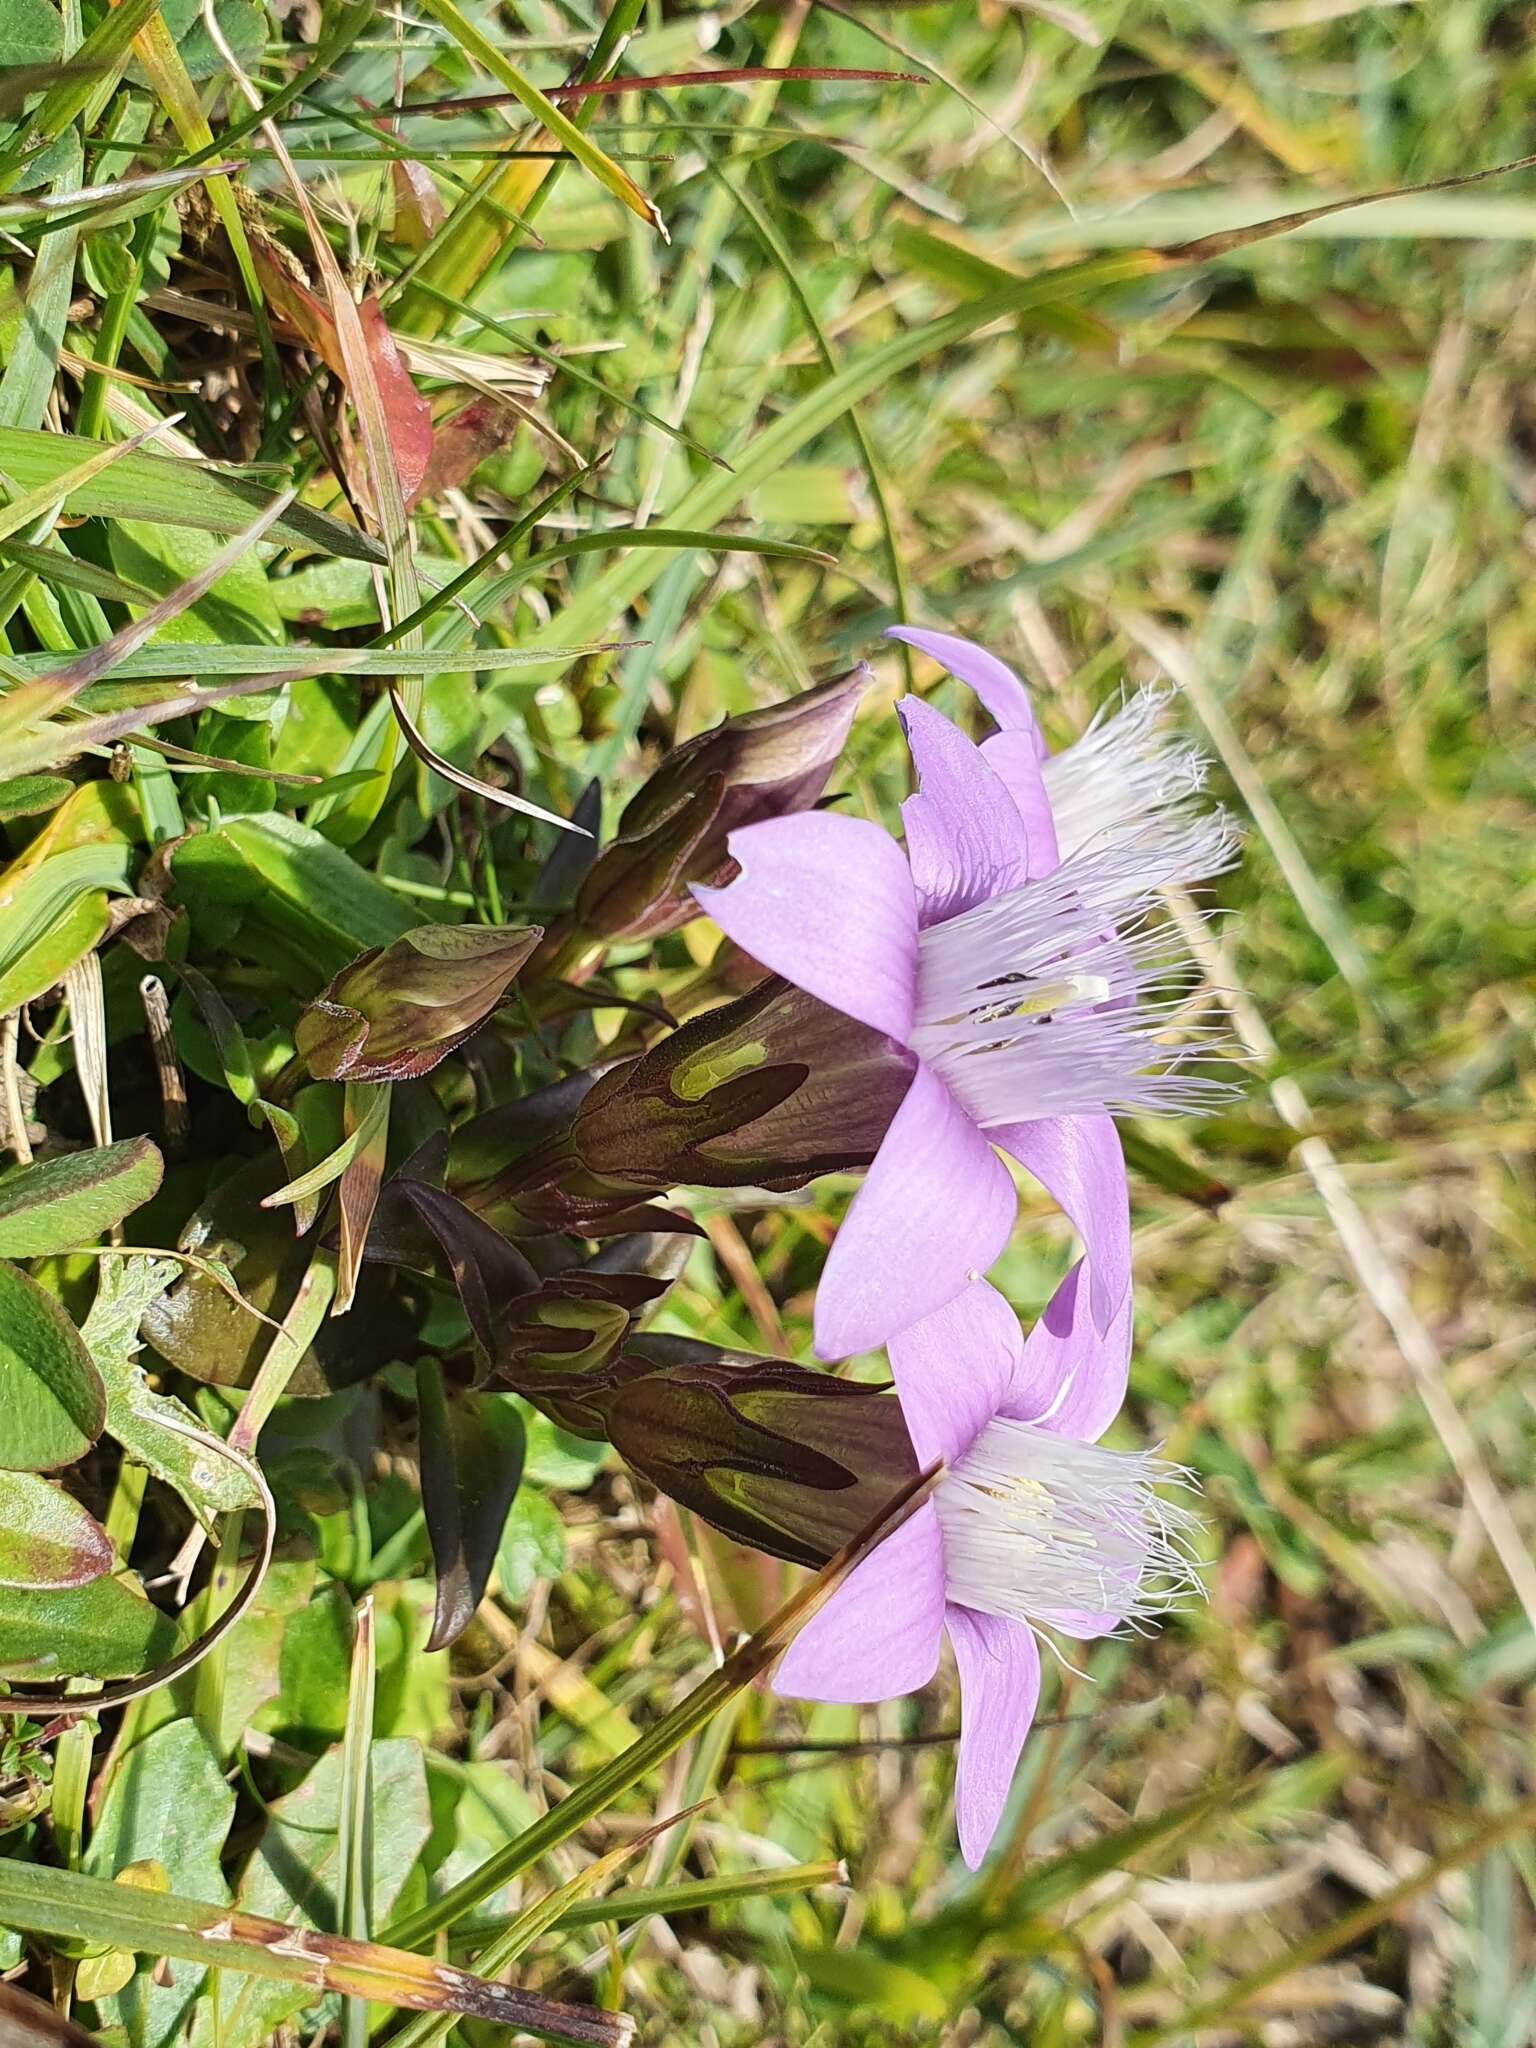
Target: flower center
<point x="1043" y="1530"/>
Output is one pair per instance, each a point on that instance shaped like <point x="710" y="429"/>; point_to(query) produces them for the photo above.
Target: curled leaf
<point x="32" y="1702"/>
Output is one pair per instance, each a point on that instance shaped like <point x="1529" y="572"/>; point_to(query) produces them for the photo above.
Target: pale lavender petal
<point x="934" y="1212"/>
<point x="994" y="682"/>
<point x="827" y="902"/>
<point x="1015" y="760"/>
<point x="1079" y="1162"/>
<point x="966" y="839"/>
<point x="878" y="1635"/>
<point x="999" y="1664"/>
<point x="955" y="1370"/>
<point x="1071" y="1377"/>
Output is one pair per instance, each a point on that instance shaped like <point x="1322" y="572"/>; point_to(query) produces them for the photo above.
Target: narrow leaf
<point x="471" y="1462"/>
<point x="170" y="492"/>
<point x="586" y="152"/>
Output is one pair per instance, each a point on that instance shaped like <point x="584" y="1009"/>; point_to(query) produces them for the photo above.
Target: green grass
<point x="1296" y="478"/>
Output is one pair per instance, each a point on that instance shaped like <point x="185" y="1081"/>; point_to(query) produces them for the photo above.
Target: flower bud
<point x="762" y="764"/>
<point x="774" y="1454"/>
<point x="397" y="1010"/>
<point x="561" y="1342"/>
<point x="767" y="1091"/>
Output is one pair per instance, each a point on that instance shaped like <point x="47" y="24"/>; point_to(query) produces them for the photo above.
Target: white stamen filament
<point x="1041" y="1529"/>
<point x="1036" y="1004"/>
<point x="1125" y="770"/>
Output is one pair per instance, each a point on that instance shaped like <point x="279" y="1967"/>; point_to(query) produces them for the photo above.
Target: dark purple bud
<point x="767" y="1091"/>
<point x="776" y="1455"/>
<point x="763" y="764"/>
<point x="561" y="1343"/>
<point x="397" y="1010"/>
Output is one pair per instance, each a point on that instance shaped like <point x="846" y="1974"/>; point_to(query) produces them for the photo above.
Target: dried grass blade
<point x="66" y="1905"/>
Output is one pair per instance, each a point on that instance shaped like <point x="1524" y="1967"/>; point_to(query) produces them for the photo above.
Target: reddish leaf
<point x="46" y="1537"/>
<point x="302" y="312"/>
<point x="407" y="416"/>
<point x="471" y="1462"/>
<point x="463" y="441"/>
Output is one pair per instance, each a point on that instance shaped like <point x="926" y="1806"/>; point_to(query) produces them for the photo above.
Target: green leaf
<point x="532" y="1545"/>
<point x="242" y="26"/>
<point x="56" y="566"/>
<point x="79" y="930"/>
<point x="54" y="1205"/>
<point x="308" y="871"/>
<point x="32" y="359"/>
<point x="103" y="1630"/>
<point x="167" y="1801"/>
<point x="33" y="907"/>
<point x="858" y="1976"/>
<point x="46" y="1537"/>
<point x="171" y="492"/>
<point x="297" y="883"/>
<point x="367" y="1131"/>
<point x="162" y="558"/>
<point x="102" y="52"/>
<point x="29" y="796"/>
<point x="316" y="1664"/>
<point x="52" y="1401"/>
<point x="137" y="1417"/>
<point x="295" y="1873"/>
<point x="31" y="32"/>
<point x="556" y="1458"/>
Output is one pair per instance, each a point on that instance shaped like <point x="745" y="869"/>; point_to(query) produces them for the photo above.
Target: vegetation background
<point x="1295" y="477"/>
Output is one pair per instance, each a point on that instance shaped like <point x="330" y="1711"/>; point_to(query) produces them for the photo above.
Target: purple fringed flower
<point x="1009" y="948"/>
<point x="1032" y="1526"/>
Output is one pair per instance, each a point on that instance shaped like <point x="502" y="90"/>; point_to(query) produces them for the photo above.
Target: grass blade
<point x="67" y="1906"/>
<point x="586" y="152"/>
<point x="168" y="491"/>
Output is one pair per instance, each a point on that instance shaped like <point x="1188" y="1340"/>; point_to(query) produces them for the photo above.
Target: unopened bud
<point x="397" y="1010"/>
<point x="776" y="1455"/>
<point x="762" y="764"/>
